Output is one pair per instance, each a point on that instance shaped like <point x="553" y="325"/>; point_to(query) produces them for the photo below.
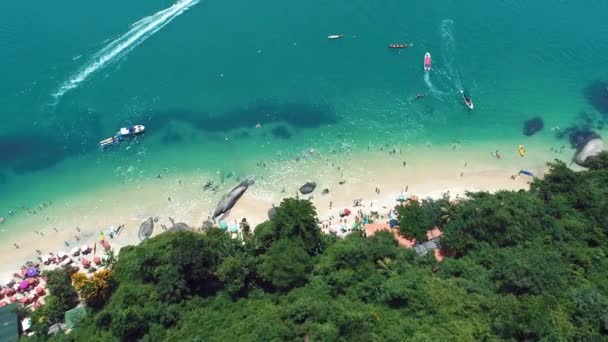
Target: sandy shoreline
<point x="428" y="172"/>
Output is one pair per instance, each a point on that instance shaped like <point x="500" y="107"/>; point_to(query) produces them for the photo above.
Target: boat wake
<point x="432" y="88"/>
<point x="120" y="47"/>
<point x="448" y="52"/>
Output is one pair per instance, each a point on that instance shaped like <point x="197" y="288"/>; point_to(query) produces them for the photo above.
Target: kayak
<point x="526" y="172"/>
<point x="335" y="36"/>
<point x="522" y="150"/>
<point x="467" y="101"/>
<point x="427" y="61"/>
<point x="399" y="46"/>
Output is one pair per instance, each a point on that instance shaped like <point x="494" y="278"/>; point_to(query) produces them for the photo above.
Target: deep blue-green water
<point x="201" y="74"/>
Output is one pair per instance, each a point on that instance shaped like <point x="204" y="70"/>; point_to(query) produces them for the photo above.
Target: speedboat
<point x="399" y="46"/>
<point x="467" y="100"/>
<point x="123" y="133"/>
<point x="132" y="130"/>
<point x="427" y="61"/>
<point x="335" y="36"/>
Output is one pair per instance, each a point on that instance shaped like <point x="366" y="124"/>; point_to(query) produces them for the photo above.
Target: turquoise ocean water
<point x="201" y="74"/>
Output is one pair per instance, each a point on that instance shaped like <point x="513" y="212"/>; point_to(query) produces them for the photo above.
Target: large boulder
<point x="533" y="125"/>
<point x="146" y="229"/>
<point x="592" y="148"/>
<point x="307" y="188"/>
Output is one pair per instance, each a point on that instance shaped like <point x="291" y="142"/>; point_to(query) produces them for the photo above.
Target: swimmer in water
<point x="258" y="125"/>
<point x="419" y="96"/>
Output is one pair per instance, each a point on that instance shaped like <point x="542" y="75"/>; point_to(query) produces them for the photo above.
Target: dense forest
<point x="526" y="265"/>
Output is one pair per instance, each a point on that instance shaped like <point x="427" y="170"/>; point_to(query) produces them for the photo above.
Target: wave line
<point x="120" y="47"/>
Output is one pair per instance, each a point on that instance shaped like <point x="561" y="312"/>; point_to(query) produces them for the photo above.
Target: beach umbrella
<point x="223" y="225"/>
<point x="24" y="300"/>
<point x="40" y="291"/>
<point x="2" y="294"/>
<point x="13" y="299"/>
<point x="24" y="285"/>
<point x="61" y="254"/>
<point x="86" y="262"/>
<point x="75" y="251"/>
<point x="37" y="305"/>
<point x="234" y="228"/>
<point x="31" y="272"/>
<point x="85" y="249"/>
<point x="97" y="260"/>
<point x="32" y="281"/>
<point x="9" y="291"/>
<point x="3" y="304"/>
<point x="101" y="236"/>
<point x="346" y="212"/>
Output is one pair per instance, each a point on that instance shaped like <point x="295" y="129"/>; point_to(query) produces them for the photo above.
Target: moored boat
<point x="399" y="46"/>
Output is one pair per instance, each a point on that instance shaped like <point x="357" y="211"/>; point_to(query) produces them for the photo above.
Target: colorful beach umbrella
<point x="40" y="291"/>
<point x="223" y="225"/>
<point x="31" y="272"/>
<point x="24" y="285"/>
<point x="3" y="304"/>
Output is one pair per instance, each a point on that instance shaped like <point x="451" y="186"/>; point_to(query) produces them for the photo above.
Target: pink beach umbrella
<point x="37" y="304"/>
<point x="40" y="291"/>
<point x="24" y="300"/>
<point x="8" y="291"/>
<point x="3" y="304"/>
<point x="13" y="299"/>
<point x="24" y="285"/>
<point x="97" y="260"/>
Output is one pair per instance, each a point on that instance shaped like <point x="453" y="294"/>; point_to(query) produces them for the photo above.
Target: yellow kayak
<point x="522" y="150"/>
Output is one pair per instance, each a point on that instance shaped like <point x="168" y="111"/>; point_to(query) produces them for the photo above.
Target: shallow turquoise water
<point x="200" y="81"/>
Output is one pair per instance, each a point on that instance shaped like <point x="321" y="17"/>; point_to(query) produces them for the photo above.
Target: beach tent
<point x="9" y="323"/>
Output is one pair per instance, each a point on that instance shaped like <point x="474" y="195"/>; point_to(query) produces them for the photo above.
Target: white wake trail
<point x="448" y="51"/>
<point x="120" y="47"/>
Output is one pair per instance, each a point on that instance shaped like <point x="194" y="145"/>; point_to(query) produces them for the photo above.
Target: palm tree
<point x="110" y="259"/>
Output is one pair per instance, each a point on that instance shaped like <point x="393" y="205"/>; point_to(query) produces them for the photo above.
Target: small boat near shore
<point x="427" y="61"/>
<point x="399" y="46"/>
<point x="123" y="133"/>
<point x="335" y="36"/>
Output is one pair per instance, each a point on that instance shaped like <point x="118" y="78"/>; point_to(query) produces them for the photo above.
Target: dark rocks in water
<point x="596" y="94"/>
<point x="272" y="212"/>
<point x="307" y="188"/>
<point x="146" y="229"/>
<point x="281" y="132"/>
<point x="591" y="148"/>
<point x="325" y="191"/>
<point x="533" y="126"/>
<point x="580" y="137"/>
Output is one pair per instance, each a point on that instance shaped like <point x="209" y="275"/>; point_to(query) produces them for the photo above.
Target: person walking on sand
<point x="16" y="246"/>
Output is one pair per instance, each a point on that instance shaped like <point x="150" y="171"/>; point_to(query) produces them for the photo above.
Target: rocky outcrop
<point x="592" y="148"/>
<point x="146" y="229"/>
<point x="307" y="188"/>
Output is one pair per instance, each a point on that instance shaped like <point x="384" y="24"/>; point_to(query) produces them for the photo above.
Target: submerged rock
<point x="307" y="188"/>
<point x="533" y="126"/>
<point x="592" y="148"/>
<point x="146" y="229"/>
